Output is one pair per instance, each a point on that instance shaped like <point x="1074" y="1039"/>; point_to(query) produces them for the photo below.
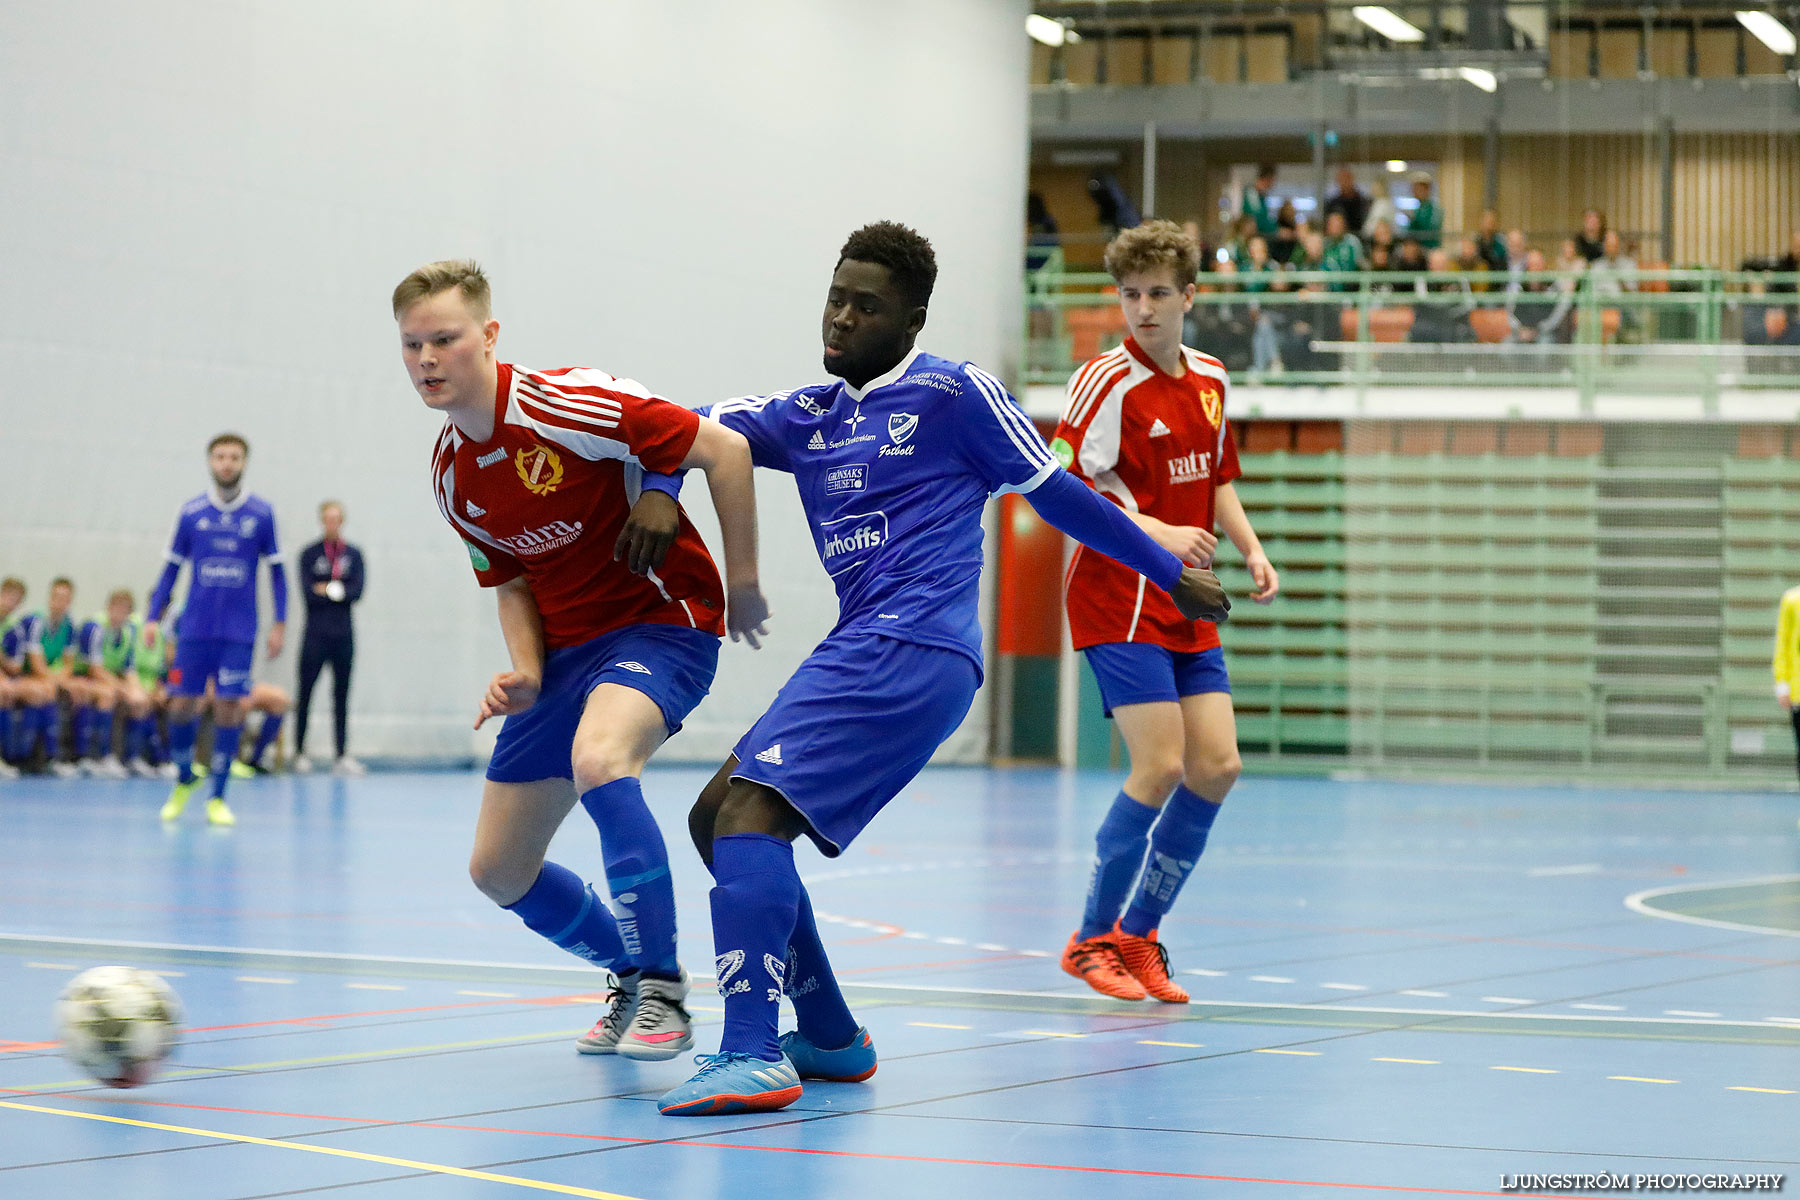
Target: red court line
<point x="914" y="1158"/>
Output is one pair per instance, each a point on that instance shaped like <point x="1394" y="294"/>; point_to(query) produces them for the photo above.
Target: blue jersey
<point x="894" y="477"/>
<point x="16" y="634"/>
<point x="223" y="543"/>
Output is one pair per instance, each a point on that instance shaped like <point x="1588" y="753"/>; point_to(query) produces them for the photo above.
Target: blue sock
<point x="1175" y="846"/>
<point x="637" y="874"/>
<point x="819" y="1009"/>
<point x="1118" y="857"/>
<point x="225" y="748"/>
<point x="265" y="737"/>
<point x="563" y="909"/>
<point x="6" y="731"/>
<point x="50" y="729"/>
<point x="96" y="741"/>
<point x="181" y="747"/>
<point x="753" y="911"/>
<point x="137" y="738"/>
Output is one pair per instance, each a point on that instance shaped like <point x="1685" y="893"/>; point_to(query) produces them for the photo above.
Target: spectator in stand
<point x="1258" y="274"/>
<point x="1468" y="260"/>
<point x="1427" y="224"/>
<point x="1409" y="257"/>
<point x="1350" y="201"/>
<point x="1441" y="310"/>
<point x="1287" y="234"/>
<point x="1222" y="330"/>
<point x="1590" y="243"/>
<point x="1516" y="250"/>
<point x="1614" y="272"/>
<point x="1569" y="258"/>
<point x="1242" y="230"/>
<point x="1788" y="264"/>
<point x="1381" y="236"/>
<point x="1490" y="243"/>
<point x="1342" y="250"/>
<point x="1381" y="258"/>
<point x="1259" y="201"/>
<point x="1537" y="309"/>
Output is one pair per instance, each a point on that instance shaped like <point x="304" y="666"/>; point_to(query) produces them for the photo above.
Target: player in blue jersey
<point x="895" y="462"/>
<point x="225" y="534"/>
<point x="20" y="696"/>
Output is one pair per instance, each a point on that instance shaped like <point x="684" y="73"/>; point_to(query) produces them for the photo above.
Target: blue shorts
<point x="226" y="664"/>
<point x="1142" y="673"/>
<point x="856" y="723"/>
<point x="671" y="665"/>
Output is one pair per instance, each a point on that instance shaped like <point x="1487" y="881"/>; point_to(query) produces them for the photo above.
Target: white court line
<point x="1600" y="1007"/>
<point x="1688" y="1012"/>
<point x="1575" y="869"/>
<point x="1507" y="1000"/>
<point x="1270" y="979"/>
<point x="261" y="979"/>
<point x="1422" y="992"/>
<point x="1339" y="1009"/>
<point x="1636" y="903"/>
<point x="1346" y="987"/>
<point x="1205" y="972"/>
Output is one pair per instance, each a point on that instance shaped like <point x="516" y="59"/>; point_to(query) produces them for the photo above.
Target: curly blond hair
<point x="1152" y="246"/>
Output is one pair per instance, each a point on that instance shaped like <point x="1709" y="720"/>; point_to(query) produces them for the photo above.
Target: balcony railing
<point x="1648" y="332"/>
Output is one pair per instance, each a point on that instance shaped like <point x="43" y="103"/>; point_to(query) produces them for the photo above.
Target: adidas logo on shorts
<point x="771" y="755"/>
<point x="1159" y="429"/>
<point x="817" y="443"/>
<point x="639" y="667"/>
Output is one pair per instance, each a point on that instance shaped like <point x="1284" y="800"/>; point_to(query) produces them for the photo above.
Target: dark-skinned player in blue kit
<point x="895" y="461"/>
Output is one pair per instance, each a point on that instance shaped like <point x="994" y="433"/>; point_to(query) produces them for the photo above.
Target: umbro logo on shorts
<point x="491" y="457"/>
<point x="639" y="667"/>
<point x="818" y="441"/>
<point x="771" y="755"/>
<point x="1159" y="429"/>
<point x="475" y="510"/>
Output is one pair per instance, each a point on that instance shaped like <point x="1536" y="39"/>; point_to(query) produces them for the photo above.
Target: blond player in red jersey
<point x="538" y="471"/>
<point x="1145" y="425"/>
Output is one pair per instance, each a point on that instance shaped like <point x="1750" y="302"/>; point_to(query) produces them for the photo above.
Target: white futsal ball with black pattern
<point x="118" y="1024"/>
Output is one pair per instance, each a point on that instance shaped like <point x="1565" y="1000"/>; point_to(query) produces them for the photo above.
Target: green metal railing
<point x="1658" y="332"/>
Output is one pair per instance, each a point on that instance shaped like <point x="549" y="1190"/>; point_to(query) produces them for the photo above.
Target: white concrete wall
<point x="206" y="205"/>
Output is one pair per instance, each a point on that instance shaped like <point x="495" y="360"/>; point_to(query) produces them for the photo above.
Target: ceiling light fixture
<point x="1389" y="24"/>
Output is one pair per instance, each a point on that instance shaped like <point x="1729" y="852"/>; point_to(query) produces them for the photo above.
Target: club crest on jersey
<point x="1212" y="403"/>
<point x="540" y="468"/>
<point x="901" y="426"/>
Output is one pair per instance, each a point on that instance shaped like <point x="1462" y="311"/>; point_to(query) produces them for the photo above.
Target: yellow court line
<point x="1051" y="1033"/>
<point x="1183" y="1045"/>
<point x="1423" y="1062"/>
<point x="1305" y="1053"/>
<point x="1526" y="1070"/>
<point x="409" y="1164"/>
<point x="1771" y="1091"/>
<point x="935" y="1025"/>
<point x="1641" y="1079"/>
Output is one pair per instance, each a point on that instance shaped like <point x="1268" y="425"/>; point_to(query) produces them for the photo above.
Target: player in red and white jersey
<point x="538" y="472"/>
<point x="1145" y="425"/>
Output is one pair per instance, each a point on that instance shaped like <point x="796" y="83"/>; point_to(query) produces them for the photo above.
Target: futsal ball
<point x="118" y="1024"/>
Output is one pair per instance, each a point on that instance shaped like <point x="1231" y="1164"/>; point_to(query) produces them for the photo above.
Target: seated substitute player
<point x="895" y="461"/>
<point x="20" y="697"/>
<point x="106" y="659"/>
<point x="537" y="471"/>
<point x="226" y="533"/>
<point x="50" y="660"/>
<point x="144" y="744"/>
<point x="272" y="704"/>
<point x="1145" y="426"/>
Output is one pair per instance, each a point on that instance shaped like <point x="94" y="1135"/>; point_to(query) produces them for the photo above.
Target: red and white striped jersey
<point x="546" y="496"/>
<point x="1155" y="444"/>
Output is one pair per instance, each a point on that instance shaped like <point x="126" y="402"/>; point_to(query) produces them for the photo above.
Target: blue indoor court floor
<point x="1399" y="988"/>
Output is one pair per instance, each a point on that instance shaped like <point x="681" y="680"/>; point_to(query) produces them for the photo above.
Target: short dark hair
<point x="228" y="439"/>
<point x="904" y="252"/>
<point x="62" y="581"/>
<point x="12" y="583"/>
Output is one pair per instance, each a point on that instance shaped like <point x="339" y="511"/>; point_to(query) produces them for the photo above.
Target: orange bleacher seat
<point x="1490" y="325"/>
<point x="1775" y="323"/>
<point x="1089" y="326"/>
<point x="1385" y="324"/>
<point x="1609" y="324"/>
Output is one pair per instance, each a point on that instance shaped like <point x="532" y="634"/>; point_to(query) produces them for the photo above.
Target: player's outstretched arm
<point x="724" y="454"/>
<point x="1078" y="511"/>
<point x="516" y="690"/>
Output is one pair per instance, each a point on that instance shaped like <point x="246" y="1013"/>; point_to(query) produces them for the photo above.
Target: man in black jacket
<point x="331" y="570"/>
